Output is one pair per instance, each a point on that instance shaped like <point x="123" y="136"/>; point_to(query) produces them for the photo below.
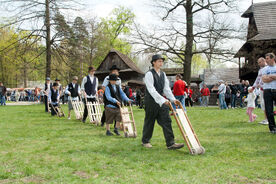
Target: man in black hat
<point x="47" y="88"/>
<point x="53" y="98"/>
<point x="89" y="86"/>
<point x="113" y="98"/>
<point x="113" y="70"/>
<point x="156" y="105"/>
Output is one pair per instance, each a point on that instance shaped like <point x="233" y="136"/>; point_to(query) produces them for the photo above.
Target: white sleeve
<point x="151" y="89"/>
<point x="84" y="80"/>
<point x="167" y="90"/>
<point x="105" y="82"/>
<point x="79" y="90"/>
<point x="97" y="84"/>
<point x="66" y="90"/>
<point x="120" y="83"/>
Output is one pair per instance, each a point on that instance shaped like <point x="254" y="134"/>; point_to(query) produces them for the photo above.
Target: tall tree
<point x="36" y="16"/>
<point x="185" y="21"/>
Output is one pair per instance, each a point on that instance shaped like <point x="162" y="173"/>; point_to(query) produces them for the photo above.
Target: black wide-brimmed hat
<point x="114" y="67"/>
<point x="113" y="77"/>
<point x="57" y="79"/>
<point x="156" y="57"/>
<point x="55" y="84"/>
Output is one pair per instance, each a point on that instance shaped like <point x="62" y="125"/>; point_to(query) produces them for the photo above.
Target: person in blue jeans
<point x="179" y="90"/>
<point x="221" y="92"/>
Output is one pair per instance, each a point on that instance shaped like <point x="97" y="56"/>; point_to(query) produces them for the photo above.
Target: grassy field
<point x="38" y="148"/>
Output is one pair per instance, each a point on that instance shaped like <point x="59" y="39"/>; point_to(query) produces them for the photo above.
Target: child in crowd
<point x="251" y="104"/>
<point x="113" y="98"/>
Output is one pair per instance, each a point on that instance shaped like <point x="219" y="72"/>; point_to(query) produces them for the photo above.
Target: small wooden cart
<point x="128" y="122"/>
<point x="187" y="130"/>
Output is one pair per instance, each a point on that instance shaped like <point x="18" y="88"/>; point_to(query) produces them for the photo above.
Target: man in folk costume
<point x="53" y="98"/>
<point x="59" y="85"/>
<point x="157" y="106"/>
<point x="73" y="91"/>
<point x="89" y="86"/>
<point x="113" y="70"/>
<point x="113" y="98"/>
<point x="47" y="88"/>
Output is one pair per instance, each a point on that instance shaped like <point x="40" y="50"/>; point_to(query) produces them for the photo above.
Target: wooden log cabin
<point x="261" y="38"/>
<point x="129" y="72"/>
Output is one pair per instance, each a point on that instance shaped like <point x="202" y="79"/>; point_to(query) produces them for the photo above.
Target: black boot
<point x="108" y="133"/>
<point x="116" y="131"/>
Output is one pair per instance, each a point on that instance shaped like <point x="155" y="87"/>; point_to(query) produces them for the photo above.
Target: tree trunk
<point x="48" y="38"/>
<point x="189" y="42"/>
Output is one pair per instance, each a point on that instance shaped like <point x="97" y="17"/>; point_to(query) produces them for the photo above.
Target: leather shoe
<point x="175" y="146"/>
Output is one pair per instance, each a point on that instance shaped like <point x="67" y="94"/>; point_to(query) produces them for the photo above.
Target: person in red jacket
<point x="205" y="93"/>
<point x="179" y="89"/>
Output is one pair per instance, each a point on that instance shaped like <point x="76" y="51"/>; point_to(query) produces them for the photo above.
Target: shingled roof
<point x="265" y="17"/>
<point x="128" y="64"/>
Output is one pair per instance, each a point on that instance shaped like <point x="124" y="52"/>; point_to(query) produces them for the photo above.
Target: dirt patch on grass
<point x="82" y="174"/>
<point x="30" y="179"/>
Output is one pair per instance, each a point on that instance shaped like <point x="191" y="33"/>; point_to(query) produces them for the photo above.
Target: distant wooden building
<point x="212" y="76"/>
<point x="172" y="72"/>
<point x="261" y="38"/>
<point x="129" y="72"/>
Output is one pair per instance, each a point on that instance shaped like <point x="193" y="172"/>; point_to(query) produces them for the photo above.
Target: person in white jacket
<point x="251" y="104"/>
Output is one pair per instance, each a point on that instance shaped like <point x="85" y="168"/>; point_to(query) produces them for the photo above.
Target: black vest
<point x="114" y="94"/>
<point x="46" y="86"/>
<point x="159" y="83"/>
<point x="54" y="95"/>
<point x="89" y="87"/>
<point x="72" y="90"/>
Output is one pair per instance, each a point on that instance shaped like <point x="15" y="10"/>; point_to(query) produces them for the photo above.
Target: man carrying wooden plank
<point x="157" y="106"/>
<point x="89" y="86"/>
<point x="113" y="70"/>
<point x="113" y="99"/>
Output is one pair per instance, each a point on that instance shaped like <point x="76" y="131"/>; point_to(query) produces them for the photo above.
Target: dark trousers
<point x="85" y="107"/>
<point x="46" y="103"/>
<point x="233" y="100"/>
<point x="189" y="102"/>
<point x="269" y="98"/>
<point x="161" y="114"/>
<point x="53" y="110"/>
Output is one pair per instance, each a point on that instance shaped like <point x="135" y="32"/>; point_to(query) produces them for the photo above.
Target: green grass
<point x="38" y="148"/>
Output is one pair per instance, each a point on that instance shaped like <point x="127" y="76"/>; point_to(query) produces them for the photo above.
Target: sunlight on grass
<point x="38" y="148"/>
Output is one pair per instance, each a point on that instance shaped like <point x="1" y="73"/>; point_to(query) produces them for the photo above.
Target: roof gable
<point x="265" y="18"/>
<point x="122" y="61"/>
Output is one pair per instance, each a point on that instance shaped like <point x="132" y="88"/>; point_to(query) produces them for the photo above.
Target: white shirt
<point x="106" y="82"/>
<point x="84" y="80"/>
<point x="48" y="89"/>
<point x="269" y="70"/>
<point x="259" y="82"/>
<point x="250" y="100"/>
<point x="149" y="81"/>
<point x="68" y="92"/>
<point x="222" y="89"/>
